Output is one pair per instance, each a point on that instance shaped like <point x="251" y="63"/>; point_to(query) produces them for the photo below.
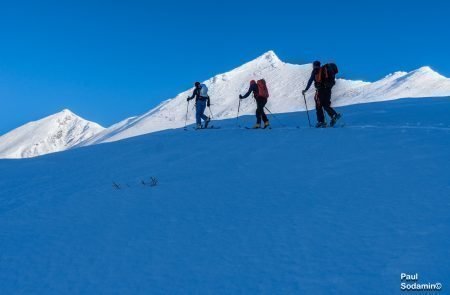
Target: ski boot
<point x="321" y="125"/>
<point x="335" y="119"/>
<point x="199" y="126"/>
<point x="256" y="126"/>
<point x="266" y="124"/>
<point x="207" y="122"/>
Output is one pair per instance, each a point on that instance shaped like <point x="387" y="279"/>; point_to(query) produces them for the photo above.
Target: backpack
<point x="204" y="90"/>
<point x="263" y="92"/>
<point x="326" y="76"/>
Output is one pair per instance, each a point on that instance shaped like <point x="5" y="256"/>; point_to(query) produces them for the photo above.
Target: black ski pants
<point x="260" y="114"/>
<point x="323" y="101"/>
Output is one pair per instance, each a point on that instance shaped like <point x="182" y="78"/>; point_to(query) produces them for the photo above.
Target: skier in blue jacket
<point x="202" y="101"/>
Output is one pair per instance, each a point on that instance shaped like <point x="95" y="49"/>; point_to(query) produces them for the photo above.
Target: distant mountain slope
<point x="55" y="133"/>
<point x="285" y="81"/>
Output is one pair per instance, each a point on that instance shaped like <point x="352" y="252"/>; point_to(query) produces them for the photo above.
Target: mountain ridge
<point x="285" y="81"/>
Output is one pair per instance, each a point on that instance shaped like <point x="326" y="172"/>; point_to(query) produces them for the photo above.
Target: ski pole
<point x="237" y="116"/>
<point x="307" y="112"/>
<point x="275" y="117"/>
<point x="187" y="111"/>
<point x="212" y="116"/>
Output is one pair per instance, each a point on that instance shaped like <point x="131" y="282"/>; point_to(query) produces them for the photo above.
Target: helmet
<point x="252" y="82"/>
<point x="316" y="64"/>
<point x="197" y="84"/>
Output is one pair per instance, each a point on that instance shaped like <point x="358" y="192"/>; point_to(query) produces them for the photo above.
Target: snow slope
<point x="285" y="81"/>
<point x="281" y="211"/>
<point x="55" y="133"/>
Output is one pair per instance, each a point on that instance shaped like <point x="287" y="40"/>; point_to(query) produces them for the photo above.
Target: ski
<point x="250" y="128"/>
<point x="339" y="125"/>
<point x="209" y="127"/>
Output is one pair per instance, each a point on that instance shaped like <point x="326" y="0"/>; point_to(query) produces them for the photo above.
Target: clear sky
<point x="109" y="60"/>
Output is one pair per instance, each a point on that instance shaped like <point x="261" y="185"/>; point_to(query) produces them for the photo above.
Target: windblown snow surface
<point x="54" y="133"/>
<point x="282" y="211"/>
<point x="286" y="82"/>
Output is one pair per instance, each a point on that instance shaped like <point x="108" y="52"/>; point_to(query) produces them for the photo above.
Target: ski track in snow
<point x="346" y="126"/>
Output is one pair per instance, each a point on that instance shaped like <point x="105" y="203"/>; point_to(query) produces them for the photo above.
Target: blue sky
<point x="108" y="60"/>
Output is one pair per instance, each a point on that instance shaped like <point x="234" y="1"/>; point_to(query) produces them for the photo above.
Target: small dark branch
<point x="153" y="181"/>
<point x="115" y="186"/>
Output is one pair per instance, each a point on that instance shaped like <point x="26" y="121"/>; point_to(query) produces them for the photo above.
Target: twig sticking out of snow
<point x="115" y="186"/>
<point x="152" y="183"/>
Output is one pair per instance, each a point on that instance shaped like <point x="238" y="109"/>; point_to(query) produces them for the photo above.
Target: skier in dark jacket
<point x="260" y="104"/>
<point x="201" y="102"/>
<point x="322" y="98"/>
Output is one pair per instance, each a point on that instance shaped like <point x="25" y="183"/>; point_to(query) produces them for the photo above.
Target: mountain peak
<point x="62" y="114"/>
<point x="270" y="56"/>
<point x="268" y="60"/>
<point x="54" y="133"/>
<point x="67" y="112"/>
<point x="426" y="71"/>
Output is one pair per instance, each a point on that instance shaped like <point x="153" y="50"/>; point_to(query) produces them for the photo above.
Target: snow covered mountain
<point x="285" y="81"/>
<point x="55" y="133"/>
